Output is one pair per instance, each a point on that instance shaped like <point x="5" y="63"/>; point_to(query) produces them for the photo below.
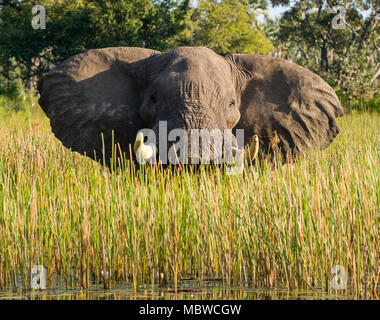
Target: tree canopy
<point x="348" y="58"/>
<point x="229" y="26"/>
<point x="73" y="26"/>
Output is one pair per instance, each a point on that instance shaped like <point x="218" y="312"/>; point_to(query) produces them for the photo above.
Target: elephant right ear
<point x="92" y="94"/>
<point x="290" y="108"/>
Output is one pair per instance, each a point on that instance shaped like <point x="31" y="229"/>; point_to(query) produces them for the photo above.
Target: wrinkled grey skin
<point x="126" y="89"/>
<point x="188" y="96"/>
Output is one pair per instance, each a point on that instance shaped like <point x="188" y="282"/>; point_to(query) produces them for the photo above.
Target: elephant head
<point x="106" y="95"/>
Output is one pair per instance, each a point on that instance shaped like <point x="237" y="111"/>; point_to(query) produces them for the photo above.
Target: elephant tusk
<point x="238" y="154"/>
<point x="143" y="152"/>
<point x="253" y="149"/>
<point x="235" y="156"/>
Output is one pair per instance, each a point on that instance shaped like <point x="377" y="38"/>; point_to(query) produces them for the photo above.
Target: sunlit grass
<point x="269" y="227"/>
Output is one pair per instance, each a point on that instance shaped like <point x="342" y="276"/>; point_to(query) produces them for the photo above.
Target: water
<point x="188" y="289"/>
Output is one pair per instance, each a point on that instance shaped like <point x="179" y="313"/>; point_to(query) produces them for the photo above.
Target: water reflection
<point x="189" y="289"/>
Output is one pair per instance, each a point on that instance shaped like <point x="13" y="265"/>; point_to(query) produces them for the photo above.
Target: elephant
<point x="105" y="96"/>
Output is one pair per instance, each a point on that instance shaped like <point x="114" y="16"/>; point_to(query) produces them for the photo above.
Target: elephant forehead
<point x="192" y="51"/>
<point x="195" y="75"/>
<point x="200" y="59"/>
<point x="201" y="85"/>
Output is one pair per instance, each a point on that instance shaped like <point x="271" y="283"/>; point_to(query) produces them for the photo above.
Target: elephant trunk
<point x="178" y="142"/>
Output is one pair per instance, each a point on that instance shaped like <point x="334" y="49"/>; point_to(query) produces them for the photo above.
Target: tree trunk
<point x="32" y="80"/>
<point x="324" y="66"/>
<point x="30" y="84"/>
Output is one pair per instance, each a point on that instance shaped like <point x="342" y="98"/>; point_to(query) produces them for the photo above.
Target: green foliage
<point x="347" y="58"/>
<point x="12" y="89"/>
<point x="228" y="26"/>
<point x="362" y="103"/>
<point x="73" y="26"/>
<point x="18" y="101"/>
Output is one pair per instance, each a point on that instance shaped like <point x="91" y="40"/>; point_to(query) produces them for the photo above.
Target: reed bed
<point x="281" y="227"/>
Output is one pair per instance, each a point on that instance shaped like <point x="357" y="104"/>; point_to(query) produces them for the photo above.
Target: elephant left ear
<point x="92" y="100"/>
<point x="289" y="107"/>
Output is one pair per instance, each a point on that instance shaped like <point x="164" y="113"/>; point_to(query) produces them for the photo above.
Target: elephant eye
<point x="153" y="99"/>
<point x="232" y="103"/>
